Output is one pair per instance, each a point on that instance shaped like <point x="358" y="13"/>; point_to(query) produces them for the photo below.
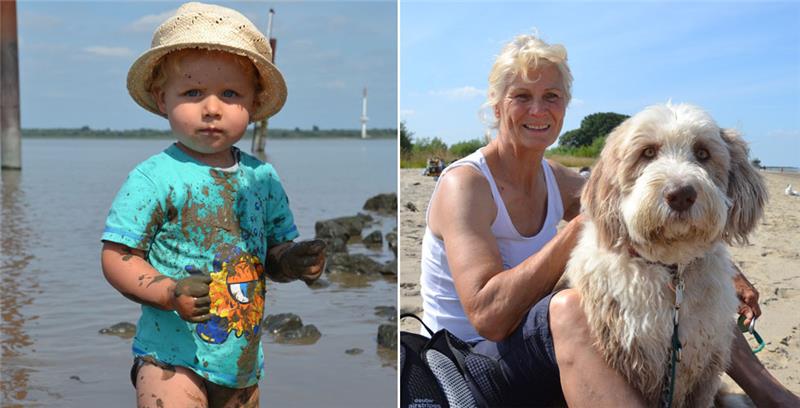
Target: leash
<point x="678" y="286"/>
<point x="668" y="391"/>
<point x="752" y="330"/>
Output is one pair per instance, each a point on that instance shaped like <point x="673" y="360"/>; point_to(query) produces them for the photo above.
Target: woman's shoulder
<point x="466" y="177"/>
<point x="462" y="197"/>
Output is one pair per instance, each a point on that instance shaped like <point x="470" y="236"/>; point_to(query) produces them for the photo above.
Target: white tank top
<point x="440" y="303"/>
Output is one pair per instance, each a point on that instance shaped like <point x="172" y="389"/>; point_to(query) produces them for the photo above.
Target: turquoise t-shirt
<point x="189" y="218"/>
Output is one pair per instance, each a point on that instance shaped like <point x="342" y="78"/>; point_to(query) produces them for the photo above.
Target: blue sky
<point x="74" y="58"/>
<point x="738" y="60"/>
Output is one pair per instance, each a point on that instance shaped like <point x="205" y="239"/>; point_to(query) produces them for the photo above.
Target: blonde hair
<point x="522" y="54"/>
<point x="170" y="65"/>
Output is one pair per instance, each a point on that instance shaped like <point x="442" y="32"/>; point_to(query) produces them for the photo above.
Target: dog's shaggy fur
<point x="670" y="188"/>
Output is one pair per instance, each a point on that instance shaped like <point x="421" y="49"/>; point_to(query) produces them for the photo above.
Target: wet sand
<point x="771" y="262"/>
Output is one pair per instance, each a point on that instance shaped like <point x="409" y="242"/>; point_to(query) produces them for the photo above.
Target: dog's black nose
<point x="681" y="198"/>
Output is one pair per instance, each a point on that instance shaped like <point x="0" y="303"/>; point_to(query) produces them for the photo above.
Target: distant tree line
<point x="416" y="152"/>
<point x="296" y="133"/>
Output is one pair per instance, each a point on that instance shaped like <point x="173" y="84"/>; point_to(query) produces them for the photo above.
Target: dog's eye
<point x="702" y="154"/>
<point x="649" y="153"/>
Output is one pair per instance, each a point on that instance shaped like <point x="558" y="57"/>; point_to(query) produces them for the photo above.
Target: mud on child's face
<point x="208" y="97"/>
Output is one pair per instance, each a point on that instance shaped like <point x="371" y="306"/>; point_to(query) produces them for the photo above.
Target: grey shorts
<point x="528" y="359"/>
<point x="139" y="361"/>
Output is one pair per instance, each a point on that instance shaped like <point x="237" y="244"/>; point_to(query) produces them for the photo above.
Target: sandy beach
<point x="771" y="262"/>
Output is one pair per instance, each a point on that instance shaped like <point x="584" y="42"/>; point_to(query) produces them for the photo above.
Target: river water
<point x="55" y="299"/>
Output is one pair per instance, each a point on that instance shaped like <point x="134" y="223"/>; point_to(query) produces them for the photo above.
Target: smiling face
<point x="532" y="112"/>
<point x="208" y="100"/>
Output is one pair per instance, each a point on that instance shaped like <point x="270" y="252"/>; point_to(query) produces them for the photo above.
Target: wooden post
<point x="10" y="136"/>
<point x="260" y="128"/>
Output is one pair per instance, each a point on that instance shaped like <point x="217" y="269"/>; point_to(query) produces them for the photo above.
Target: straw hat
<point x="207" y="26"/>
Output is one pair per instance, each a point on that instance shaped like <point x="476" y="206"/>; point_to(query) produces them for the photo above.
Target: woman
<point x="491" y="254"/>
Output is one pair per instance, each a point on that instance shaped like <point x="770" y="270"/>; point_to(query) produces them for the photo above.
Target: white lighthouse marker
<point x="364" y="115"/>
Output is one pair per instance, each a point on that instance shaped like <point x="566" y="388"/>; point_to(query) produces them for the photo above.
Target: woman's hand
<point x="748" y="297"/>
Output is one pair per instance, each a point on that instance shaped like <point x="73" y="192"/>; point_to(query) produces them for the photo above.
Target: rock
<point x="282" y="322"/>
<point x="411" y="207"/>
<point x="336" y="244"/>
<point x="351" y="226"/>
<point x="122" y="329"/>
<point x="382" y="203"/>
<point x="354" y="351"/>
<point x="319" y="284"/>
<point x="358" y="264"/>
<point x="391" y="239"/>
<point x="387" y="335"/>
<point x="373" y="239"/>
<point x="352" y="280"/>
<point x="387" y="312"/>
<point x="306" y="335"/>
<point x="288" y="328"/>
<point x="389" y="268"/>
<point x="336" y="232"/>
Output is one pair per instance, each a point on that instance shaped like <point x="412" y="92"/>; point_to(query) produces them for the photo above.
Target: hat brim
<point x="270" y="100"/>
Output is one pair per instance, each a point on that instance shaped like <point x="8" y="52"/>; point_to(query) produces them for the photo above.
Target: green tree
<point x="593" y="126"/>
<point x="405" y="138"/>
<point x="572" y="138"/>
<point x="462" y="149"/>
<point x="435" y="146"/>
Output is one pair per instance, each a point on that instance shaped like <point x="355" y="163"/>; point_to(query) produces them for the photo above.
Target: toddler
<point x="196" y="229"/>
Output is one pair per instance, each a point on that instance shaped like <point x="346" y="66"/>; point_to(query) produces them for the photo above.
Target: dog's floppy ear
<point x="746" y="190"/>
<point x="602" y="194"/>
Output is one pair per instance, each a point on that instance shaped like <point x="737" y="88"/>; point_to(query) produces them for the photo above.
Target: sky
<point x="75" y="56"/>
<point x="740" y="61"/>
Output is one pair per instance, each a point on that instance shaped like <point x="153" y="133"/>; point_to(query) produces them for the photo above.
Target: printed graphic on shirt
<point x="237" y="296"/>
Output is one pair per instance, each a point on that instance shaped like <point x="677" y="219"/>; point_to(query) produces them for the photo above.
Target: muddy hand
<point x="190" y="298"/>
<point x="305" y="260"/>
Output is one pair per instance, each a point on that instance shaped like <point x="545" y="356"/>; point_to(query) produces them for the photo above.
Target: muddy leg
<point x="224" y="397"/>
<point x="158" y="387"/>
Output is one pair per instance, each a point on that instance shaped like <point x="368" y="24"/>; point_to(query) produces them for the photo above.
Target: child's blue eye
<point x="228" y="93"/>
<point x="192" y="92"/>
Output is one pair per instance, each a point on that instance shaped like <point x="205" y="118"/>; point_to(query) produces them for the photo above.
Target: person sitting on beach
<point x="491" y="253"/>
<point x="195" y="230"/>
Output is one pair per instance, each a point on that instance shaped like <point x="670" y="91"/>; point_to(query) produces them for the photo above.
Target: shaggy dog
<point x="669" y="191"/>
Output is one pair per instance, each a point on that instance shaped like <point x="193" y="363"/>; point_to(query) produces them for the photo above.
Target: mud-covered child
<point x="195" y="230"/>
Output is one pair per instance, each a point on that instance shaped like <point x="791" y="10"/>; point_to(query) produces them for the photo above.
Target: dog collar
<point x="672" y="268"/>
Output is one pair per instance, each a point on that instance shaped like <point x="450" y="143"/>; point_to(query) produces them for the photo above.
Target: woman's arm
<point x="494" y="299"/>
<point x="128" y="272"/>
